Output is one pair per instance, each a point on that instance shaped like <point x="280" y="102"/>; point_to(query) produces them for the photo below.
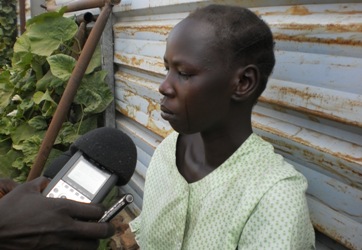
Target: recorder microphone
<point x="95" y="162"/>
<point x="57" y="164"/>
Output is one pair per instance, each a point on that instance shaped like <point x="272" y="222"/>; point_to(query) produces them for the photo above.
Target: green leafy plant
<point x="31" y="88"/>
<point x="8" y="30"/>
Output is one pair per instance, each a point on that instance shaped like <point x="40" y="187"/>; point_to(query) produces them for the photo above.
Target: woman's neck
<point x="199" y="154"/>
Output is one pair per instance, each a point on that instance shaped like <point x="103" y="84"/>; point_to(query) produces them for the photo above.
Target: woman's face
<point x="198" y="86"/>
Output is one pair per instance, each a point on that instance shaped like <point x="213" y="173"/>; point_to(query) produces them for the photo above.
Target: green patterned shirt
<point x="254" y="200"/>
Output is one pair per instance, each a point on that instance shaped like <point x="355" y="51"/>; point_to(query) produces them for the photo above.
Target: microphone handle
<point x="116" y="208"/>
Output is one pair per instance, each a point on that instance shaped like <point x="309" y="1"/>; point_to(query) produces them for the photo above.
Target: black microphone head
<point x="110" y="148"/>
<point x="56" y="165"/>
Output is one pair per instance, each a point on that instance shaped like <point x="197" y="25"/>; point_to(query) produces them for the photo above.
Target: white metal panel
<point x="311" y="110"/>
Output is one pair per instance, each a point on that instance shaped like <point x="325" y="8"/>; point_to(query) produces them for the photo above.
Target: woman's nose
<point x="166" y="87"/>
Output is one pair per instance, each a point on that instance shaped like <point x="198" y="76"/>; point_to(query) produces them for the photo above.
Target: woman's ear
<point x="246" y="83"/>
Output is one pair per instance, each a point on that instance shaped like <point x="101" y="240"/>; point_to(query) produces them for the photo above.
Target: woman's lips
<point x="166" y="113"/>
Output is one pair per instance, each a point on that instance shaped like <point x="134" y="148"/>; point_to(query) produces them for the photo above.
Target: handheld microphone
<point x="116" y="208"/>
<point x="95" y="162"/>
<point x="57" y="164"/>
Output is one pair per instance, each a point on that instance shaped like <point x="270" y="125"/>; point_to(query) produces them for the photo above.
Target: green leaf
<point x="38" y="73"/>
<point x="95" y="61"/>
<point x="27" y="83"/>
<point x="18" y="163"/>
<point x="48" y="109"/>
<point x="41" y="96"/>
<point x="21" y="61"/>
<point x="49" y="33"/>
<point x="21" y="178"/>
<point x="42" y="17"/>
<point x="68" y="133"/>
<point x="18" y="147"/>
<point x="22" y="44"/>
<point x="25" y="105"/>
<point x="22" y="57"/>
<point x="37" y="66"/>
<point x="5" y="145"/>
<point x="6" y="90"/>
<point x="94" y="93"/>
<point x="22" y="133"/>
<point x="54" y="153"/>
<point x="49" y="81"/>
<point x="49" y="105"/>
<point x="31" y="148"/>
<point x="43" y="83"/>
<point x="6" y="161"/>
<point x="38" y="122"/>
<point x="87" y="124"/>
<point x="61" y="66"/>
<point x="6" y="126"/>
<point x="7" y="9"/>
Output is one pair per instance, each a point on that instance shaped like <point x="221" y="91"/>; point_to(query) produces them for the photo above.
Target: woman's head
<point x="241" y="36"/>
<point x="214" y="72"/>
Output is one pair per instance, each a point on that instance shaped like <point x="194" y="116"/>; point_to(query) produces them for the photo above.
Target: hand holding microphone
<point x="6" y="185"/>
<point x="29" y="220"/>
<point x="32" y="221"/>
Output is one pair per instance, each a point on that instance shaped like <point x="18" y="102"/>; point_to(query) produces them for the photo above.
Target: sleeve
<point x="281" y="219"/>
<point x="135" y="228"/>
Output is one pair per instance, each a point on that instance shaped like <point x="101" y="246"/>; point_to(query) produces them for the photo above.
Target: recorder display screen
<point x="89" y="177"/>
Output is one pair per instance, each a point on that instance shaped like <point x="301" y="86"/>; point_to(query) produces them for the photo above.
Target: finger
<point x="38" y="184"/>
<point x="77" y="244"/>
<point x="94" y="229"/>
<point x="79" y="210"/>
<point x="7" y="185"/>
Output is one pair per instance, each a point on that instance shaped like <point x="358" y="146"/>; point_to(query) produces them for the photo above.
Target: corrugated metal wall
<point x="311" y="110"/>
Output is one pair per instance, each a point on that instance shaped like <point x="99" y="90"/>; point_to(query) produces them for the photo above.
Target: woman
<point x="213" y="183"/>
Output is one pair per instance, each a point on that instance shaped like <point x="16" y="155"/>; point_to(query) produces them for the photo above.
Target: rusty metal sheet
<point x="312" y="23"/>
<point x="341" y="209"/>
<point x="339" y="228"/>
<point x="330" y="155"/>
<point x="321" y="186"/>
<point x="146" y="142"/>
<point x="139" y="99"/>
<point x="155" y="30"/>
<point x="341" y="106"/>
<point x="333" y="169"/>
<point x="330" y="72"/>
<point x="94" y="11"/>
<point x="141" y="62"/>
<point x="338" y="131"/>
<point x="152" y="6"/>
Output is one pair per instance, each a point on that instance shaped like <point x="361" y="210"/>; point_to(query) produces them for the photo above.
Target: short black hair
<point x="242" y="36"/>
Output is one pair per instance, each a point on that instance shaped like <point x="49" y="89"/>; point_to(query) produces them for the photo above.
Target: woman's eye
<point x="184" y="75"/>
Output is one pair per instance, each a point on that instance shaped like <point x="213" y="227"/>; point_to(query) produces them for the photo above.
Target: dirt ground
<point x="124" y="238"/>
